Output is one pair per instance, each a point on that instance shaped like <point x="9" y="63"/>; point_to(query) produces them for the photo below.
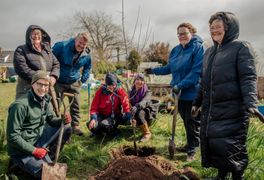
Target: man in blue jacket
<point x="73" y="56"/>
<point x="185" y="64"/>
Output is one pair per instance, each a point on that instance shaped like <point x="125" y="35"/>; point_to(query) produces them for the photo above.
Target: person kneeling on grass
<point x="143" y="109"/>
<point x="32" y="129"/>
<point x="107" y="106"/>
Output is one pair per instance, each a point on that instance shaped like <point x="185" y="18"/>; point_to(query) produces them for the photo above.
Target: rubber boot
<point x="146" y="132"/>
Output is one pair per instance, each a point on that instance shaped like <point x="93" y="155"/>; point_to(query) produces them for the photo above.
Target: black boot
<point x="238" y="175"/>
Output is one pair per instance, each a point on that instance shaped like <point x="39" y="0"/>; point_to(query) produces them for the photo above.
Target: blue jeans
<point x="49" y="138"/>
<point x="192" y="126"/>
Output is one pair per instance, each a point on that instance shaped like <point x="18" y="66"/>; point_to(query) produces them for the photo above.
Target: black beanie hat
<point x="110" y="79"/>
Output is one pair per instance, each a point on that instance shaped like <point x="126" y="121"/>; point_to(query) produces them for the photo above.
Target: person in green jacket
<point x="32" y="129"/>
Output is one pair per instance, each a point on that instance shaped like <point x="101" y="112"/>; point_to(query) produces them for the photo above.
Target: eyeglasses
<point x="42" y="85"/>
<point x="213" y="28"/>
<point x="183" y="34"/>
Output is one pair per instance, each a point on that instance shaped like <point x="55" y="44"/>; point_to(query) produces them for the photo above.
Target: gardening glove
<point x="67" y="118"/>
<point x="39" y="153"/>
<point x="176" y="90"/>
<point x="133" y="110"/>
<point x="194" y="111"/>
<point x="148" y="71"/>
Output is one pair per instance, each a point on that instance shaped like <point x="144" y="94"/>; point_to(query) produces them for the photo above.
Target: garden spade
<point x="134" y="124"/>
<point x="57" y="171"/>
<point x="172" y="145"/>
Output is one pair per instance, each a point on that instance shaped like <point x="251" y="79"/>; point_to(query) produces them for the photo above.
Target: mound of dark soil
<point x="130" y="167"/>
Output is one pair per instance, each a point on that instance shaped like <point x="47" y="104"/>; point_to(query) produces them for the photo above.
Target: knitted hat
<point x="110" y="79"/>
<point x="139" y="76"/>
<point x="40" y="75"/>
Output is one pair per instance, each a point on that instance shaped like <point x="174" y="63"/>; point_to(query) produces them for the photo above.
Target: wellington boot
<point x="146" y="132"/>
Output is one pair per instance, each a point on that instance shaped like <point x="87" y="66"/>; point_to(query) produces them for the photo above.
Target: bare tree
<point x="157" y="52"/>
<point x="105" y="36"/>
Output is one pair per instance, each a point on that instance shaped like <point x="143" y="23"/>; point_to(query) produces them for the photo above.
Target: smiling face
<point x="138" y="83"/>
<point x="36" y="36"/>
<point x="184" y="35"/>
<point x="217" y="30"/>
<point x="111" y="88"/>
<point x="80" y="44"/>
<point x="41" y="87"/>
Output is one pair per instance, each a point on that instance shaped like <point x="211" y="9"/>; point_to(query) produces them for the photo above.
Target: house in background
<point x="6" y="63"/>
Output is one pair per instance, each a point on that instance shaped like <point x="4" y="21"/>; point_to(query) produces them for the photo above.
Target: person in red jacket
<point x="110" y="107"/>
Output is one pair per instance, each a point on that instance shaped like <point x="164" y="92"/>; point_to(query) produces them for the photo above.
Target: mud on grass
<point x="126" y="165"/>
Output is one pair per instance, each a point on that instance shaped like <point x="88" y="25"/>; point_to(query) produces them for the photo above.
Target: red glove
<point x="67" y="118"/>
<point x="39" y="153"/>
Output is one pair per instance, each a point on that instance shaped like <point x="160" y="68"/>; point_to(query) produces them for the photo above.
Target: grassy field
<point x="86" y="156"/>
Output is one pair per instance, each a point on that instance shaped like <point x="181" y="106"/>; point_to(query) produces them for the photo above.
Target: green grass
<point x="85" y="156"/>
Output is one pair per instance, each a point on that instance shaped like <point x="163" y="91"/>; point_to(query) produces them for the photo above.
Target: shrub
<point x="102" y="67"/>
<point x="134" y="60"/>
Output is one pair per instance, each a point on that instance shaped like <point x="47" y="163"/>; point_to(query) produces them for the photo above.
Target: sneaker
<point x="190" y="157"/>
<point x="182" y="149"/>
<point x="77" y="131"/>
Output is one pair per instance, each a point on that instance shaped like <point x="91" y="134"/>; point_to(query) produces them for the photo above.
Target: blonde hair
<point x="83" y="35"/>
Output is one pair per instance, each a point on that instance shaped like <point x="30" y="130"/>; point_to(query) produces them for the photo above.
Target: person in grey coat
<point x="227" y="97"/>
<point x="34" y="55"/>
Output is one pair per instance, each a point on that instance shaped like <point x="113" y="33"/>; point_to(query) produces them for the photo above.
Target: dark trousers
<point x="32" y="165"/>
<point x="192" y="125"/>
<point x="75" y="106"/>
<point x="107" y="125"/>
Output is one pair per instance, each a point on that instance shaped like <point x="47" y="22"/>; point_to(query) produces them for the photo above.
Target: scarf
<point x="136" y="96"/>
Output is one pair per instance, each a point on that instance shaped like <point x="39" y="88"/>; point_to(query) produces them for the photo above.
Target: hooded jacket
<point x="103" y="99"/>
<point x="228" y="89"/>
<point x="27" y="60"/>
<point x="185" y="64"/>
<point x="70" y="69"/>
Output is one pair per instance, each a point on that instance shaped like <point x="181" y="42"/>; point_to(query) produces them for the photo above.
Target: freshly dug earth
<point x="125" y="166"/>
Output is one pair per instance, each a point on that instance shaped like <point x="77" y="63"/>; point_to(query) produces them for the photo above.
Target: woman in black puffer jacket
<point x="227" y="96"/>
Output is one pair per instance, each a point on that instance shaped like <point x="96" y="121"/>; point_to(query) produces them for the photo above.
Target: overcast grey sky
<point x="165" y="15"/>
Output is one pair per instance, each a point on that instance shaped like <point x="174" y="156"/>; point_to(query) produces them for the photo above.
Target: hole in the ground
<point x="141" y="151"/>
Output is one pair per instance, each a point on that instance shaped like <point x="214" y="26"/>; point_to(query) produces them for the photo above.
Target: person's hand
<point x="194" y="111"/>
<point x="252" y="110"/>
<point x="133" y="110"/>
<point x="133" y="123"/>
<point x="52" y="80"/>
<point x="127" y="118"/>
<point x="257" y="113"/>
<point x="91" y="124"/>
<point x="148" y="71"/>
<point x="67" y="118"/>
<point x="176" y="90"/>
<point x="39" y="153"/>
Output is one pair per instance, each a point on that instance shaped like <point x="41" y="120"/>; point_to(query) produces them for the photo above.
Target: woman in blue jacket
<point x="185" y="63"/>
